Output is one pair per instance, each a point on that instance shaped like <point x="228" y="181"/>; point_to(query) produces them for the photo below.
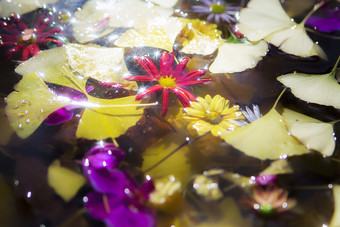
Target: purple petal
<point x="146" y="188"/>
<point x="59" y="116"/>
<point x="327" y="18"/>
<point x="100" y="205"/>
<point x="127" y="216"/>
<point x="103" y="156"/>
<point x="110" y="181"/>
<point x="265" y="179"/>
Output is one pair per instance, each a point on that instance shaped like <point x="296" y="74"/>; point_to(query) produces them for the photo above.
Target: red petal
<point x="22" y="25"/>
<point x="183" y="98"/>
<point x="180" y="67"/>
<point x="187" y="93"/>
<point x="50" y="33"/>
<point x="167" y="63"/>
<point x="42" y="23"/>
<point x="192" y="75"/>
<point x="140" y="78"/>
<point x="12" y="51"/>
<point x="148" y="91"/>
<point x="145" y="67"/>
<point x="25" y="53"/>
<point x="165" y="94"/>
<point x="153" y="68"/>
<point x="34" y="49"/>
<point x="191" y="83"/>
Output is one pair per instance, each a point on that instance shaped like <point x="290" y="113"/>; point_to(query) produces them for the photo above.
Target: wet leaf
<point x="108" y="118"/>
<point x="165" y="4"/>
<point x="265" y="138"/>
<point x="64" y="181"/>
<point x="160" y="32"/>
<point x="263" y="19"/>
<point x="314" y="134"/>
<point x="21" y="6"/>
<point x="237" y="57"/>
<point x="99" y="17"/>
<point x="335" y="222"/>
<point x="320" y="89"/>
<point x="30" y="104"/>
<point x="278" y="167"/>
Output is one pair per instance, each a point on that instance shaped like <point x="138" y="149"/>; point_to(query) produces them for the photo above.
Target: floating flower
<point x="270" y="200"/>
<point x="117" y="198"/>
<point x="212" y="114"/>
<point x="217" y="11"/>
<point x="250" y="115"/>
<point x="327" y="19"/>
<point x="169" y="79"/>
<point x="20" y="37"/>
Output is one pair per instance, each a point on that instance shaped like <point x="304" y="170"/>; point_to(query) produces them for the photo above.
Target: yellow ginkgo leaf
<point x="200" y="37"/>
<point x="314" y="134"/>
<point x="177" y="164"/>
<point x="64" y="181"/>
<point x="320" y="89"/>
<point x="30" y="104"/>
<point x="51" y="66"/>
<point x="335" y="222"/>
<point x="265" y="138"/>
<point x="280" y="166"/>
<point x="165" y="4"/>
<point x="88" y="61"/>
<point x="99" y="17"/>
<point x="266" y="19"/>
<point x="21" y="6"/>
<point x="108" y="118"/>
<point x="160" y="32"/>
<point x="237" y="57"/>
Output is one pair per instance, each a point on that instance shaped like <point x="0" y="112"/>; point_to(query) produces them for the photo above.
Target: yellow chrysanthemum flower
<point x="212" y="114"/>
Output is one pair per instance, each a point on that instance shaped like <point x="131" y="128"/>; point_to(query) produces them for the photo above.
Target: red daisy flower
<point x="169" y="79"/>
<point x="21" y="37"/>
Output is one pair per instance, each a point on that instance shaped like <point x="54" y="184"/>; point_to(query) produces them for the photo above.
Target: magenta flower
<point x="327" y="19"/>
<point x="217" y="11"/>
<point x="265" y="179"/>
<point x="169" y="79"/>
<point x="117" y="199"/>
<point x="19" y="37"/>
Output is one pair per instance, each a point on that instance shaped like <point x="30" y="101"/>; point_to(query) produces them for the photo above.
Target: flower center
<point x="266" y="210"/>
<point x="213" y="117"/>
<point x="27" y="36"/>
<point x="167" y="81"/>
<point x="217" y="8"/>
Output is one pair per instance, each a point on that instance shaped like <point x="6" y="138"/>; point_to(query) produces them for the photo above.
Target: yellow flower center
<point x="217" y="8"/>
<point x="27" y="37"/>
<point x="213" y="117"/>
<point x="167" y="81"/>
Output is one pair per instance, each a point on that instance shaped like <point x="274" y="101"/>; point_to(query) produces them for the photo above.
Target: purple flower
<point x="117" y="199"/>
<point x="217" y="11"/>
<point x="265" y="179"/>
<point x="327" y="20"/>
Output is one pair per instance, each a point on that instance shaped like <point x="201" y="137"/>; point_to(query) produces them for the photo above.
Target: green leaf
<point x="266" y="19"/>
<point x="64" y="181"/>
<point x="109" y="118"/>
<point x="265" y="138"/>
<point x="320" y="89"/>
<point x="30" y="104"/>
<point x="314" y="134"/>
<point x="237" y="57"/>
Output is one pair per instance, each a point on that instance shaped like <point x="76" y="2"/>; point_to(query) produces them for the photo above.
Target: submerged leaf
<point x="108" y="118"/>
<point x="160" y="32"/>
<point x="237" y="57"/>
<point x="266" y="19"/>
<point x="99" y="17"/>
<point x="64" y="181"/>
<point x="314" y="134"/>
<point x="265" y="138"/>
<point x="335" y="222"/>
<point x="320" y="89"/>
<point x="30" y="104"/>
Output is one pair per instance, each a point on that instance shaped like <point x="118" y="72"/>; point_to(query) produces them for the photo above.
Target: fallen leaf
<point x="99" y="17"/>
<point x="237" y="57"/>
<point x="335" y="222"/>
<point x="314" y="134"/>
<point x="64" y="181"/>
<point x="21" y="6"/>
<point x="165" y="4"/>
<point x="265" y="138"/>
<point x="278" y="167"/>
<point x="320" y="89"/>
<point x="266" y="19"/>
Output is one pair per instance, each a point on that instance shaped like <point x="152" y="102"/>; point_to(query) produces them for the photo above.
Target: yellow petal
<point x="64" y="181"/>
<point x="314" y="134"/>
<point x="237" y="57"/>
<point x="200" y="126"/>
<point x="265" y="138"/>
<point x="30" y="104"/>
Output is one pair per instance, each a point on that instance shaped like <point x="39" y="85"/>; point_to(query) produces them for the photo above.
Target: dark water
<point x="28" y="200"/>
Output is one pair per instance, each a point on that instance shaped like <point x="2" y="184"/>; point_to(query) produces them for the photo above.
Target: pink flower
<point x="20" y="37"/>
<point x="169" y="79"/>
